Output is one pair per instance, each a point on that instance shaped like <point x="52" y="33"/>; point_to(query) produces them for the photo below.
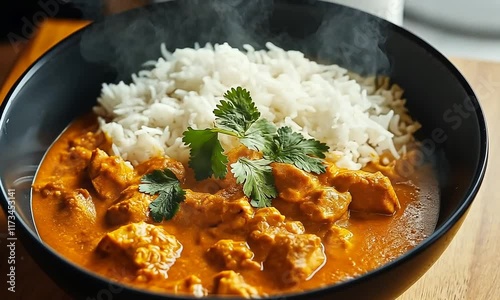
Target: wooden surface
<point x="468" y="269"/>
<point x="49" y="34"/>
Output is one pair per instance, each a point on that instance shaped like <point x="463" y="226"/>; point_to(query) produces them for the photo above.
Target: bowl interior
<point x="66" y="82"/>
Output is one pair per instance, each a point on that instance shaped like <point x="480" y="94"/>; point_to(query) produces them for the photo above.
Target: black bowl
<point x="65" y="82"/>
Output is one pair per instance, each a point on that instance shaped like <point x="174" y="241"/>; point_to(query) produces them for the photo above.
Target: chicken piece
<point x="147" y="247"/>
<point x="53" y="188"/>
<point x="343" y="221"/>
<point x="232" y="283"/>
<point x="77" y="207"/>
<point x="269" y="218"/>
<point x="231" y="192"/>
<point x="326" y="204"/>
<point x="318" y="202"/>
<point x="131" y="206"/>
<point x="161" y="163"/>
<point x="267" y="215"/>
<point x="80" y="157"/>
<point x="338" y="237"/>
<point x="295" y="257"/>
<point x="293" y="184"/>
<point x="89" y="140"/>
<point x="232" y="255"/>
<point x="109" y="174"/>
<point x="371" y="192"/>
<point x="265" y="226"/>
<point x="190" y="285"/>
<point x="284" y="247"/>
<point x="206" y="210"/>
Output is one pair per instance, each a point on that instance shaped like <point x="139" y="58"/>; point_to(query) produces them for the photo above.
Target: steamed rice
<point x="357" y="119"/>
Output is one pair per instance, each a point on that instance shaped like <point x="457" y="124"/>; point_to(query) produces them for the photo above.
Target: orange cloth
<point x="49" y="34"/>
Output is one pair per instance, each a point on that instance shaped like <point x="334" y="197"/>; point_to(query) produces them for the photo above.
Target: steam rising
<point x="323" y="31"/>
<point x="355" y="39"/>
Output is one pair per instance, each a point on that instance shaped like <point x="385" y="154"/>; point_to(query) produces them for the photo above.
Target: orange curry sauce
<point x="87" y="206"/>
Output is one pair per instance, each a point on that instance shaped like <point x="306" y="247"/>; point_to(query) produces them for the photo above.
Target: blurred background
<point x="457" y="28"/>
<point x="460" y="28"/>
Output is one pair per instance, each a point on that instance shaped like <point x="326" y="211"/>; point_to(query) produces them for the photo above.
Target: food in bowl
<point x="228" y="172"/>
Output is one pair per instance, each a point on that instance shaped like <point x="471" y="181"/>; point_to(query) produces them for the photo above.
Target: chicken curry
<point x="321" y="229"/>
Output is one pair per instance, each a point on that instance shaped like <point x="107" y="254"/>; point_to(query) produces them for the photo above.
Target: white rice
<point x="355" y="118"/>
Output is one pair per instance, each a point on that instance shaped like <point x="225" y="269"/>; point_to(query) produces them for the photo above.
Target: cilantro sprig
<point x="166" y="184"/>
<point x="236" y="115"/>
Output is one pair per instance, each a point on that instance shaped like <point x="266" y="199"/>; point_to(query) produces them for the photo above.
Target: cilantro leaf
<point x="166" y="184"/>
<point x="257" y="179"/>
<point x="156" y="181"/>
<point x="259" y="135"/>
<point x="207" y="154"/>
<point x="163" y="208"/>
<point x="237" y="113"/>
<point x="292" y="148"/>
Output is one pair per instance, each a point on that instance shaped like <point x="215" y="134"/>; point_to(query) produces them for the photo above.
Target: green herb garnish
<point x="166" y="184"/>
<point x="257" y="179"/>
<point x="207" y="155"/>
<point x="236" y="115"/>
<point x="292" y="148"/>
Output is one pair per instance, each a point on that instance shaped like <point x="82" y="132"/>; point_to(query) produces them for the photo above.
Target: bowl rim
<point x="443" y="228"/>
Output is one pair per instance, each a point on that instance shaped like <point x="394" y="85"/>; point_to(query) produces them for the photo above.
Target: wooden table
<point x="468" y="269"/>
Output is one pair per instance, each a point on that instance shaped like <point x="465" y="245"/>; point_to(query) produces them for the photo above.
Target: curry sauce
<point x="320" y="230"/>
